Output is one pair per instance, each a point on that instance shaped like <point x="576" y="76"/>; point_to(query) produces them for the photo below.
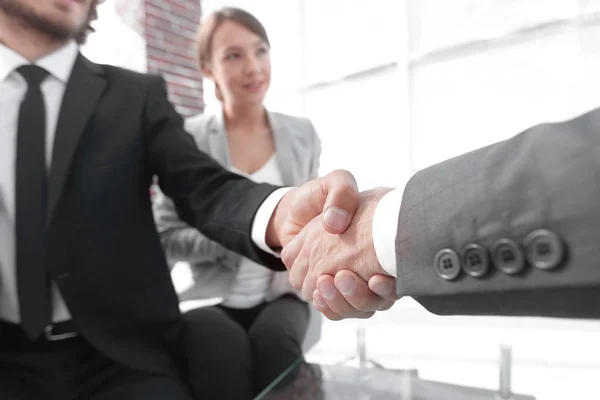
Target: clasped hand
<point x="328" y="247"/>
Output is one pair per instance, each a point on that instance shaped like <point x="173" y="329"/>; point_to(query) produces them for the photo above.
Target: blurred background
<point x="405" y="74"/>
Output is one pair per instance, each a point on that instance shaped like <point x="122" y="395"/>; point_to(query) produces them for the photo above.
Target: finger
<point x="336" y="301"/>
<point x="299" y="267"/>
<point x="336" y="194"/>
<point x="309" y="286"/>
<point x="302" y="276"/>
<point x="387" y="306"/>
<point x="357" y="293"/>
<point x="384" y="286"/>
<point x="322" y="306"/>
<point x="290" y="252"/>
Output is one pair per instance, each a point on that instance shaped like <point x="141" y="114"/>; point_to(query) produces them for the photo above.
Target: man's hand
<point x="333" y="199"/>
<point x="347" y="295"/>
<point x="315" y="252"/>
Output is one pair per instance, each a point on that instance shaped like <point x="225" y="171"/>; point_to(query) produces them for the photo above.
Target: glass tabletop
<point x="361" y="378"/>
<point x="304" y="381"/>
<point x="541" y="358"/>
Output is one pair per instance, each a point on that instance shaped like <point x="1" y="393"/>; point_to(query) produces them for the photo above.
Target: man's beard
<point x="30" y="18"/>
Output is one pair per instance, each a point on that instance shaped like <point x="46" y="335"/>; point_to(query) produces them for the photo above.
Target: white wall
<point x="118" y="39"/>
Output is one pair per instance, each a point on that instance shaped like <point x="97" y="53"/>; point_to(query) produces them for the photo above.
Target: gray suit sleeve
<point x="509" y="229"/>
<point x="180" y="241"/>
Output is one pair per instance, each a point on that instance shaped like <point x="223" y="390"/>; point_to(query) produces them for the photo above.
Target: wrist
<point x="273" y="234"/>
<point x="385" y="229"/>
<point x="373" y="197"/>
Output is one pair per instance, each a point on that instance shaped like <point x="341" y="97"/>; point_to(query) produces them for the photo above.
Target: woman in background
<point x="237" y="348"/>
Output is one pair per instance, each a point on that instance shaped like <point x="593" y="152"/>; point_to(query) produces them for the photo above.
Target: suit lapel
<point x="284" y="151"/>
<point x="217" y="140"/>
<point x="83" y="91"/>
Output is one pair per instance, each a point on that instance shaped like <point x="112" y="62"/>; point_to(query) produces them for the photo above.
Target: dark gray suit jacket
<point x="116" y="130"/>
<point x="509" y="229"/>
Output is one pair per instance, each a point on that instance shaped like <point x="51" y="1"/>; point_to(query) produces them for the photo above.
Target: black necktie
<point x="31" y="192"/>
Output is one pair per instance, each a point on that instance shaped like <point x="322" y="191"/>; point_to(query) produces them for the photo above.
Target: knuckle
<point x="366" y="315"/>
<point x="343" y="179"/>
<point x="333" y="317"/>
<point x="363" y="300"/>
<point x="343" y="308"/>
<point x="349" y="193"/>
<point x="287" y="259"/>
<point x="348" y="199"/>
<point x="348" y="177"/>
<point x="369" y="305"/>
<point x="341" y="173"/>
<point x="307" y="294"/>
<point x="386" y="306"/>
<point x="338" y="173"/>
<point x="296" y="284"/>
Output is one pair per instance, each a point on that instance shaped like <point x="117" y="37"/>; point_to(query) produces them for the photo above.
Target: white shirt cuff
<point x="262" y="218"/>
<point x="385" y="229"/>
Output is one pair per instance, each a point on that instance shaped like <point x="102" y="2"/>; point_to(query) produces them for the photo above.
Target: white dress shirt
<point x="385" y="229"/>
<point x="12" y="90"/>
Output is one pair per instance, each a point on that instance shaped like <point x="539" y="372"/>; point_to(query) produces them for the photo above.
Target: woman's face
<point x="240" y="64"/>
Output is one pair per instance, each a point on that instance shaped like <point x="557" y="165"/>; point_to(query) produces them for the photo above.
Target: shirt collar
<point x="59" y="63"/>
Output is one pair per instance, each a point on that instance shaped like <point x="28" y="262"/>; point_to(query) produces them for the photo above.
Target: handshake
<point x="325" y="230"/>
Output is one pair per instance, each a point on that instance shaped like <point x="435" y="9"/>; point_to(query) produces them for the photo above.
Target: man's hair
<point x="87" y="29"/>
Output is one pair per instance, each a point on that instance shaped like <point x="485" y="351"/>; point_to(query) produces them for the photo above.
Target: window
<point x="353" y="118"/>
<point x="401" y="85"/>
<point x="438" y="25"/>
<point x="343" y="37"/>
<point x="489" y="69"/>
<point x="492" y="94"/>
<point x="115" y="41"/>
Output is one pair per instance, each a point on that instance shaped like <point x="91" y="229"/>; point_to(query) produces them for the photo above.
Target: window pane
<point x="588" y="81"/>
<point x="435" y="24"/>
<point x="115" y="42"/>
<point x="346" y="36"/>
<point x="362" y="125"/>
<point x="590" y="6"/>
<point x="471" y="101"/>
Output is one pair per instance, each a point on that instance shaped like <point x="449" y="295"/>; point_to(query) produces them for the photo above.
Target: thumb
<point x="334" y="195"/>
<point x="384" y="286"/>
<point x="341" y="200"/>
